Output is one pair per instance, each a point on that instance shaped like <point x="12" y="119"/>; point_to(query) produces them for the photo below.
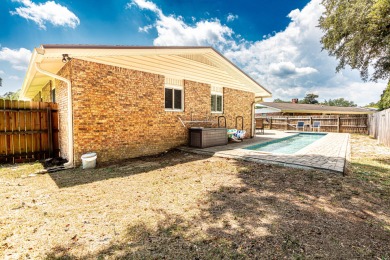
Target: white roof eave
<point x="40" y="55"/>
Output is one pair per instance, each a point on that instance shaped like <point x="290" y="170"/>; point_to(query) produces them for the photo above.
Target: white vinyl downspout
<point x="253" y="122"/>
<point x="70" y="112"/>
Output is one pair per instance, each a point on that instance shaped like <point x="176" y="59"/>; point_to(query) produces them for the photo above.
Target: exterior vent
<point x="175" y="82"/>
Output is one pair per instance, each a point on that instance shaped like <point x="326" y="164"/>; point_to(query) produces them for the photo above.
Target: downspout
<point x="69" y="164"/>
<point x="253" y="118"/>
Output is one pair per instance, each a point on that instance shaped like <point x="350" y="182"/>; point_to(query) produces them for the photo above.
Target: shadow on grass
<point x="385" y="162"/>
<point x="167" y="241"/>
<point x="273" y="212"/>
<point x="78" y="176"/>
<point x="377" y="175"/>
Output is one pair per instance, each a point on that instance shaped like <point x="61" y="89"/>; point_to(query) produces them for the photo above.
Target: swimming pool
<point x="287" y="145"/>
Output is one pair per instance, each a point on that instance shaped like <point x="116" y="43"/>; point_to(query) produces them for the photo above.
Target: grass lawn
<point x="187" y="206"/>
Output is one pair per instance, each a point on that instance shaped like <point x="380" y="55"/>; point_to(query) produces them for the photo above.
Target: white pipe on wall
<point x="70" y="112"/>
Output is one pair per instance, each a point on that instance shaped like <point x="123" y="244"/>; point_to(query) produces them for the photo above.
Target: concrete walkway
<point x="328" y="153"/>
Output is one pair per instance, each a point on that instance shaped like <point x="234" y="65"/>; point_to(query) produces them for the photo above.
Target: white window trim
<point x="173" y="100"/>
<point x="217" y="94"/>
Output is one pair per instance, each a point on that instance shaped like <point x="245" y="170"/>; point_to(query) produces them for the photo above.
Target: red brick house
<point x="126" y="101"/>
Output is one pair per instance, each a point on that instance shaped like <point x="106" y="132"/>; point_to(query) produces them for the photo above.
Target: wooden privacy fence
<point x="338" y="124"/>
<point x="380" y="126"/>
<point x="28" y="131"/>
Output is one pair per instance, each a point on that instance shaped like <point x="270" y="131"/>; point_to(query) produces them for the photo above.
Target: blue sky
<point x="276" y="42"/>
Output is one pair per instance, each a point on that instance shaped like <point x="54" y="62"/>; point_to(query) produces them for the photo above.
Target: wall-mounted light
<point x="65" y="58"/>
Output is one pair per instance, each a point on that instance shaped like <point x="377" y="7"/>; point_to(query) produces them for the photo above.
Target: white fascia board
<point x="90" y="52"/>
<point x="31" y="71"/>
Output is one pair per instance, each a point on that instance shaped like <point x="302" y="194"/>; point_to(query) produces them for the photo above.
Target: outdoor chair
<point x="316" y="125"/>
<point x="260" y="125"/>
<point x="300" y="124"/>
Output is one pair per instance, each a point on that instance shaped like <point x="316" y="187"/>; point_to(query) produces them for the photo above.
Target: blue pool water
<point x="287" y="145"/>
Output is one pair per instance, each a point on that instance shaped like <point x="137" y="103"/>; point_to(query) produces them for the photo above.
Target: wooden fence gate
<point x="380" y="126"/>
<point x="28" y="131"/>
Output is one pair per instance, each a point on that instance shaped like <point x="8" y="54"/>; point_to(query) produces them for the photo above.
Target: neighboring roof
<point x="312" y="108"/>
<point x="198" y="63"/>
<point x="265" y="110"/>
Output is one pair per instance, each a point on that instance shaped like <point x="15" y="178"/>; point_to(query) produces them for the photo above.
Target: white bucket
<point x="89" y="160"/>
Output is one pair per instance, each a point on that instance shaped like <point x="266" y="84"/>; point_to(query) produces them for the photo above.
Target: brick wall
<point x="46" y="92"/>
<point x="238" y="103"/>
<point x="119" y="113"/>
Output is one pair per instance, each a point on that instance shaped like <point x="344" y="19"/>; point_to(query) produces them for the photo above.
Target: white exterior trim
<point x="173" y="99"/>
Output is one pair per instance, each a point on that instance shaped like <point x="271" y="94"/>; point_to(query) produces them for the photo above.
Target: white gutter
<point x="70" y="112"/>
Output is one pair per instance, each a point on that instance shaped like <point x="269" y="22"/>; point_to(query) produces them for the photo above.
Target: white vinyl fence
<point x="379" y="126"/>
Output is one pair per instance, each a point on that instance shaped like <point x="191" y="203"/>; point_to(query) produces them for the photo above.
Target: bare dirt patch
<point x="185" y="206"/>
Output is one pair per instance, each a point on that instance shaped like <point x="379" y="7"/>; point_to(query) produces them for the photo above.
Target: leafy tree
<point x="339" y="102"/>
<point x="12" y="95"/>
<point x="373" y="104"/>
<point x="357" y="33"/>
<point x="278" y="100"/>
<point x="384" y="103"/>
<point x="309" y="99"/>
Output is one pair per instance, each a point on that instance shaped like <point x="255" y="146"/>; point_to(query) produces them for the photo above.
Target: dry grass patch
<point x="371" y="161"/>
<point x="188" y="206"/>
<point x="23" y="170"/>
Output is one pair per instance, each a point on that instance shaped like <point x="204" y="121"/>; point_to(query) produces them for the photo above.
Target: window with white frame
<point x="174" y="98"/>
<point x="216" y="102"/>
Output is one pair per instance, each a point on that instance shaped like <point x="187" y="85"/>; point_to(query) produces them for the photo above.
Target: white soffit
<point x="201" y="64"/>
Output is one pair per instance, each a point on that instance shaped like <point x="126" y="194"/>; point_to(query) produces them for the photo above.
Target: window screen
<point x="216" y="103"/>
<point x="177" y="96"/>
<point x="219" y="103"/>
<point x="169" y="98"/>
<point x="173" y="98"/>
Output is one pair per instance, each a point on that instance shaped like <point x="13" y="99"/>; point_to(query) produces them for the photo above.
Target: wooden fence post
<point x="338" y="124"/>
<point x="286" y="123"/>
<point x="49" y="132"/>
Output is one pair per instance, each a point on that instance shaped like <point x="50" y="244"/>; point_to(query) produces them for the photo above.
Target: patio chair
<point x="259" y="125"/>
<point x="316" y="125"/>
<point x="300" y="124"/>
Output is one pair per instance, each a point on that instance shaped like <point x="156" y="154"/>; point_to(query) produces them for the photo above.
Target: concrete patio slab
<point x="328" y="153"/>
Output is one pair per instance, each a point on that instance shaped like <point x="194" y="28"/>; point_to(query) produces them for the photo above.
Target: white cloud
<point x="1" y="71"/>
<point x="19" y="59"/>
<point x="144" y="4"/>
<point x="283" y="69"/>
<point x="172" y="30"/>
<point x="13" y="77"/>
<point x="145" y="29"/>
<point x="231" y="17"/>
<point x="289" y="63"/>
<point x="49" y="11"/>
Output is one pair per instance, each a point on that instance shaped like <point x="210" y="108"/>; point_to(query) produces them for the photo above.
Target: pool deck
<point x="328" y="153"/>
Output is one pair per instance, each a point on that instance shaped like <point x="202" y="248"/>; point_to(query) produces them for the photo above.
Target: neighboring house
<point x="264" y="111"/>
<point x="125" y="101"/>
<point x="294" y="109"/>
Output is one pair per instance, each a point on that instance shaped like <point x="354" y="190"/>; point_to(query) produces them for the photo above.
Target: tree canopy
<point x="339" y="102"/>
<point x="309" y="99"/>
<point x="357" y="33"/>
<point x="372" y="105"/>
<point x="384" y="103"/>
<point x="278" y="100"/>
<point x="11" y="95"/>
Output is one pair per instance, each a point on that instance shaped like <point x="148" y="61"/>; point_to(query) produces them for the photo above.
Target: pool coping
<point x="329" y="153"/>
